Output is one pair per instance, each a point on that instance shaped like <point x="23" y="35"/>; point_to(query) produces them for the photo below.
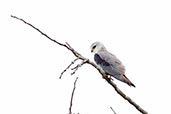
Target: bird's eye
<point x="94" y="46"/>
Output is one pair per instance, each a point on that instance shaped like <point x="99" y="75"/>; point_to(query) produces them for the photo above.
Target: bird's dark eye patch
<point x="94" y="46"/>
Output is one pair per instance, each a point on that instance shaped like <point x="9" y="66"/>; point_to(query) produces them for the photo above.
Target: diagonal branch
<point x="104" y="76"/>
<point x="39" y="31"/>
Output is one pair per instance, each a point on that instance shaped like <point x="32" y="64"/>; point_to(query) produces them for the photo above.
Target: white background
<point x="137" y="32"/>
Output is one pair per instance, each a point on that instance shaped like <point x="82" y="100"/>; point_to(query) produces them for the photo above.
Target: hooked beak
<point x="92" y="50"/>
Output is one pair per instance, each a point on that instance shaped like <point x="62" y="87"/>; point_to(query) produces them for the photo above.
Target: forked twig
<point x="78" y="66"/>
<point x="68" y="67"/>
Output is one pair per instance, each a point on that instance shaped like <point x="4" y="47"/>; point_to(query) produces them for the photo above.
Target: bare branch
<point x="112" y="110"/>
<point x="70" y="107"/>
<point x="104" y="76"/>
<point x="68" y="67"/>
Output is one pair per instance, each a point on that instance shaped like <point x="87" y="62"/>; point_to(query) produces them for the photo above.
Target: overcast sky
<point x="137" y="32"/>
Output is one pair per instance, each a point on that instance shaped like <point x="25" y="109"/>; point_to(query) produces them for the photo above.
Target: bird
<point x="109" y="63"/>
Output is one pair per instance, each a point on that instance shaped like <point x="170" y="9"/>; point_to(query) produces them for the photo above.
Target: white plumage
<point x="109" y="63"/>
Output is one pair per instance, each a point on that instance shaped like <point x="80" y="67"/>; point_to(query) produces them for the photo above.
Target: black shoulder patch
<point x="100" y="61"/>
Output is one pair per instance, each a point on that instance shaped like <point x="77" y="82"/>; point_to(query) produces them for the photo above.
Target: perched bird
<point x="109" y="63"/>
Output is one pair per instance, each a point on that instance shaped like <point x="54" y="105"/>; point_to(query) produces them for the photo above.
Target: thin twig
<point x="78" y="66"/>
<point x="112" y="110"/>
<point x="68" y="67"/>
<point x="70" y="107"/>
<point x="91" y="63"/>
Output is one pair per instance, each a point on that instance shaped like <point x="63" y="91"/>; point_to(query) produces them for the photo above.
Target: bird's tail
<point x="126" y="80"/>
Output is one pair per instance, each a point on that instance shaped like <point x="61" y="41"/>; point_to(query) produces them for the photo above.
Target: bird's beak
<point x="92" y="50"/>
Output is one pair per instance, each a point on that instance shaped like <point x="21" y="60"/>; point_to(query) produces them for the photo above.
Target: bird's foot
<point x="110" y="77"/>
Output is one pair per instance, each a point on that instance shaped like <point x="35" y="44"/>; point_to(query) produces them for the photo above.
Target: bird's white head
<point x="97" y="46"/>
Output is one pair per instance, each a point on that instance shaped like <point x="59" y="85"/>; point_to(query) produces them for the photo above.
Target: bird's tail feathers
<point x="126" y="80"/>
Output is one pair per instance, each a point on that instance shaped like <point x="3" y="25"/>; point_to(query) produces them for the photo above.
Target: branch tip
<point x="112" y="110"/>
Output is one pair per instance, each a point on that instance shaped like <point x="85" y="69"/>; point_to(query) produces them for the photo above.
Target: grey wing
<point x="109" y="63"/>
<point x="112" y="66"/>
